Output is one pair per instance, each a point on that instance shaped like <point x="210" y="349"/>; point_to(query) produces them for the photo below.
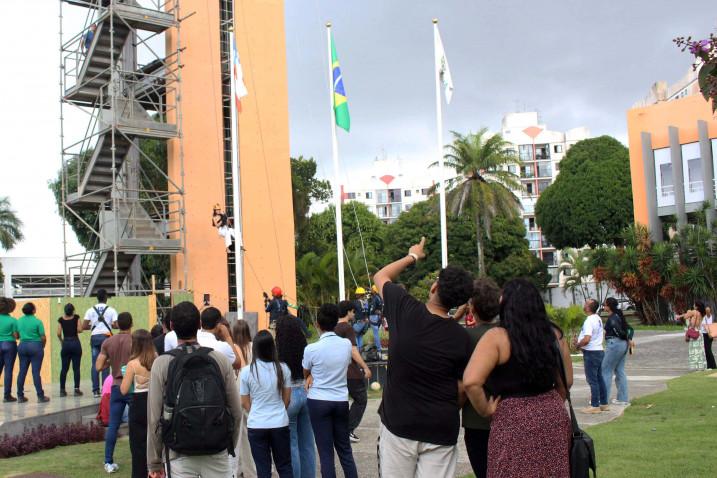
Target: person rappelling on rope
<point x="225" y="227"/>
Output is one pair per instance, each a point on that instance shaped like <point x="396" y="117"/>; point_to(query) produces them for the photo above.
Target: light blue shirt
<point x="267" y="405"/>
<point x="327" y="360"/>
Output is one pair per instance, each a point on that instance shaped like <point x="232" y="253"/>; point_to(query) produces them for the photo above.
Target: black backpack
<point x="196" y="418"/>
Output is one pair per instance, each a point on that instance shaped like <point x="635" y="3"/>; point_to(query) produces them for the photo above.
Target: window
<point x="382" y="211"/>
<point x="542" y="151"/>
<point x="557" y="167"/>
<point x="531" y="223"/>
<point x="694" y="175"/>
<point x="692" y="171"/>
<point x="668" y="187"/>
<point x="407" y="193"/>
<point x="394" y="195"/>
<point x="381" y="196"/>
<point x="525" y="151"/>
<point x="369" y="195"/>
<point x="395" y="209"/>
<point x="512" y="168"/>
<point x="350" y="195"/>
<point x="424" y="191"/>
<point x="545" y="170"/>
<point x="527" y="172"/>
<point x="549" y="258"/>
<point x="558" y="148"/>
<point x="529" y="188"/>
<point x="407" y="207"/>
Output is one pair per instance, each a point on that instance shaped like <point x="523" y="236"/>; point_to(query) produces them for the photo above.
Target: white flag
<point x="444" y="72"/>
<point x="240" y="90"/>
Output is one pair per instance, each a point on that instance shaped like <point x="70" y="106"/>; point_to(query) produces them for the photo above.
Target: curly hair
<point x="486" y="299"/>
<point x="455" y="286"/>
<point x="531" y="334"/>
<point x="290" y="344"/>
<point x="328" y="317"/>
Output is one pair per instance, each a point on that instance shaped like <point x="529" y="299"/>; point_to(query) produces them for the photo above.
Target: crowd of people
<point x="208" y="399"/>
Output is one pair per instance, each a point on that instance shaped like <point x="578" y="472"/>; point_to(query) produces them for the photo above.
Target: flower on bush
<point x="705" y="52"/>
<point x="46" y="437"/>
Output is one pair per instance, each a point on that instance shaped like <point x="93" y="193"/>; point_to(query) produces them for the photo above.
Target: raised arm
<point x="391" y="272"/>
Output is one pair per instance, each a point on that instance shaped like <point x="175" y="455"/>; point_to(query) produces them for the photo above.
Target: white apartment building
<point x="392" y="187"/>
<point x="539" y="151"/>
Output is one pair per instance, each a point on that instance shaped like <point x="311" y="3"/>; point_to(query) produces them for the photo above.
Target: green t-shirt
<point x="8" y="325"/>
<point x="30" y="328"/>
<point x="471" y="418"/>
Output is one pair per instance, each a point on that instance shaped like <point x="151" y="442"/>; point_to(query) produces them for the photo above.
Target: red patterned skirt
<point x="530" y="438"/>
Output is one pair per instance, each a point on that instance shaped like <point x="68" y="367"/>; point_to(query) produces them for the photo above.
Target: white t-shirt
<point x="97" y="327"/>
<point x="706" y="320"/>
<point x="207" y="339"/>
<point x="594" y="328"/>
<point x="267" y="404"/>
<point x="170" y="341"/>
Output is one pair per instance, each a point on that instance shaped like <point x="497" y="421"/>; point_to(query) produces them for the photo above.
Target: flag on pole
<point x="444" y="72"/>
<point x="341" y="106"/>
<point x="240" y="90"/>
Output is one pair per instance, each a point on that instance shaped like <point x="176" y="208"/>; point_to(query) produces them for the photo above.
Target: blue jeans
<point x="330" y="421"/>
<point x="8" y="352"/>
<point x="30" y="353"/>
<point x="592" y="360"/>
<point x="614" y="362"/>
<point x="375" y="322"/>
<point x="303" y="456"/>
<point x="118" y="402"/>
<point x="266" y="442"/>
<point x="359" y="342"/>
<point x="96" y="344"/>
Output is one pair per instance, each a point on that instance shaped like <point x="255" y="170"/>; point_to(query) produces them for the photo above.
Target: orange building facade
<point x="264" y="151"/>
<point x="673" y="159"/>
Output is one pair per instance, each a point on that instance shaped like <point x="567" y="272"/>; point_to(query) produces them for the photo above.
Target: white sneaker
<point x="111" y="467"/>
<point x="620" y="403"/>
<point x="354" y="438"/>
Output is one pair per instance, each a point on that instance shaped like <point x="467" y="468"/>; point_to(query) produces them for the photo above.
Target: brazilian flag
<point x="341" y="106"/>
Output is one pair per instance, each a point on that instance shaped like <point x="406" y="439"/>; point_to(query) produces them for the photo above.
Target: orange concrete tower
<point x="264" y="150"/>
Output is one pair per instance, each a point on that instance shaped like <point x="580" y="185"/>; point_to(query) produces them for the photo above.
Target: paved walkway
<point x="659" y="357"/>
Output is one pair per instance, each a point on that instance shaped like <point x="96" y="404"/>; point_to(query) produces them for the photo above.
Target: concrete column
<point x="708" y="173"/>
<point x="678" y="176"/>
<point x="654" y="223"/>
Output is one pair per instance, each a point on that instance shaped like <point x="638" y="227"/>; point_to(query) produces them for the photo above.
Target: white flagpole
<point x="337" y="185"/>
<point x="439" y="129"/>
<point x="236" y="193"/>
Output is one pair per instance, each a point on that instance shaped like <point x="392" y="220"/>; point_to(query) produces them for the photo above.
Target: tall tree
<point x="305" y="190"/>
<point x="10" y="225"/>
<point x="482" y="188"/>
<point x="590" y="202"/>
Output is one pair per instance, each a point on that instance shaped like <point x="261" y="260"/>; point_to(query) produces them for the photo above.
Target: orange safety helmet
<point x="276" y="292"/>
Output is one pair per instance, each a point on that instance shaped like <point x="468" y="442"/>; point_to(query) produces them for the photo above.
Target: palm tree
<point x="483" y="187"/>
<point x="577" y="267"/>
<point x="10" y="233"/>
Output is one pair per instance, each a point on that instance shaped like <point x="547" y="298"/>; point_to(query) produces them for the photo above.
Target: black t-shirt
<point x="69" y="327"/>
<point x="159" y="343"/>
<point x="426" y="357"/>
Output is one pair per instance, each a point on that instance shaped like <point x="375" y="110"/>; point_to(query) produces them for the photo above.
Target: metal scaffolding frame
<point x="128" y="105"/>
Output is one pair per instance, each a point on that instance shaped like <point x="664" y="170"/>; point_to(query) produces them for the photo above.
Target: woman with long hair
<point x="135" y="379"/>
<point x="707" y="320"/>
<point x="68" y="330"/>
<point x="617" y="343"/>
<point x="265" y="391"/>
<point x="242" y="462"/>
<point x="696" y="359"/>
<point x="519" y="364"/>
<point x="290" y="344"/>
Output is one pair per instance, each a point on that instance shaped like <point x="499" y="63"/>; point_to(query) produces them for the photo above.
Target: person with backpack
<point x="135" y="383"/>
<point x="191" y="433"/>
<point x="265" y="390"/>
<point x="115" y="354"/>
<point x="617" y="339"/>
<point x="100" y="319"/>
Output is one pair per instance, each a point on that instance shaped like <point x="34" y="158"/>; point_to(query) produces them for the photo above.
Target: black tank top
<point x="69" y="327"/>
<point x="510" y="380"/>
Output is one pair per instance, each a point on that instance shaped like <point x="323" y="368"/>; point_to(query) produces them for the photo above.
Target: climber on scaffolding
<point x="225" y="227"/>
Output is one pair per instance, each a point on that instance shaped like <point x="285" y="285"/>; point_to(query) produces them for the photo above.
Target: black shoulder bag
<point x="582" y="449"/>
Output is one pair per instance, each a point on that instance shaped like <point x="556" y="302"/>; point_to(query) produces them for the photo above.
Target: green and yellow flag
<point x="341" y="106"/>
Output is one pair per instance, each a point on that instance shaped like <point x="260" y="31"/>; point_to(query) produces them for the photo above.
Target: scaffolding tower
<point x="118" y="70"/>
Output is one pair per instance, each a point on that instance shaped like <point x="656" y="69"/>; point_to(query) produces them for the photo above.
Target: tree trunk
<point x="479" y="250"/>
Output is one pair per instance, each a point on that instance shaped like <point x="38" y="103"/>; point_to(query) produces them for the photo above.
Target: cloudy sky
<point x="577" y="62"/>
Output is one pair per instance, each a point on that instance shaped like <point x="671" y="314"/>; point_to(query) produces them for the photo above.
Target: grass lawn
<point x="661" y="435"/>
<point x="659" y="328"/>
<point x="76" y="461"/>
